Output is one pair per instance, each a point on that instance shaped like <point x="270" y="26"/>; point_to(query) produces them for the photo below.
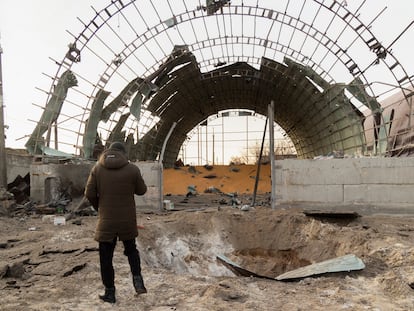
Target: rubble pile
<point x="16" y="201"/>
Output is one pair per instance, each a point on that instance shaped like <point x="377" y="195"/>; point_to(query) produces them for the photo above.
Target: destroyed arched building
<point x="148" y="72"/>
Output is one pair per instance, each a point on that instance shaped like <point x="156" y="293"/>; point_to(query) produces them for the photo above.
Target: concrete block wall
<point x="49" y="181"/>
<point x="17" y="164"/>
<point x="363" y="181"/>
<point x="368" y="181"/>
<point x="150" y="171"/>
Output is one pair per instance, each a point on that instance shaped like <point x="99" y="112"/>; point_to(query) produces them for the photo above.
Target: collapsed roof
<point x="200" y="63"/>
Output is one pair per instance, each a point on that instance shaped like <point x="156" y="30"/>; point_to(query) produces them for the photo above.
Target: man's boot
<point x="139" y="284"/>
<point x="109" y="295"/>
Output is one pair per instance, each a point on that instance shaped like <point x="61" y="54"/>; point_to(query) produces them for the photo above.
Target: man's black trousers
<point x="106" y="254"/>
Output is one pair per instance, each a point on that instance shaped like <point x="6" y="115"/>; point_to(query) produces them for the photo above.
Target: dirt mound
<point x="223" y="178"/>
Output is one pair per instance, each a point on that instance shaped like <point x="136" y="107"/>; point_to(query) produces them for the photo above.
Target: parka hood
<point x="113" y="159"/>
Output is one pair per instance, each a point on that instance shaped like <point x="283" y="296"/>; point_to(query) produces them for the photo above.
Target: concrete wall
<point x="367" y="181"/>
<point x="382" y="182"/>
<point x="17" y="164"/>
<point x="49" y="181"/>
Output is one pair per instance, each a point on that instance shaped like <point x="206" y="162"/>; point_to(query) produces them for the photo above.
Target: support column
<point x="3" y="165"/>
<point x="272" y="152"/>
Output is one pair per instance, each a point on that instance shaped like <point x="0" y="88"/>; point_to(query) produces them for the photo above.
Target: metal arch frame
<point x="220" y="115"/>
<point x="372" y="40"/>
<point x="246" y="73"/>
<point x="107" y="74"/>
<point x="67" y="63"/>
<point x="118" y="6"/>
<point x="257" y="60"/>
<point x="359" y="30"/>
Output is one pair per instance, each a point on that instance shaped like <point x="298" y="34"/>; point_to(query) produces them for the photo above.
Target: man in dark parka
<point x="110" y="188"/>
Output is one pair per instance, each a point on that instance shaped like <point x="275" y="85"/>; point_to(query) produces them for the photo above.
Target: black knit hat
<point x="117" y="146"/>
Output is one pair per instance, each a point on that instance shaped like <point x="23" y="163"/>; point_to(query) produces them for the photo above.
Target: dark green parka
<point x="110" y="188"/>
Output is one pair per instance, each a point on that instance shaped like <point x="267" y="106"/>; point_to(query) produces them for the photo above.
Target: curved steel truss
<point x="141" y="70"/>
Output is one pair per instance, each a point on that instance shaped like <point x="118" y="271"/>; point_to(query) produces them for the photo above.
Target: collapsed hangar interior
<point x="148" y="72"/>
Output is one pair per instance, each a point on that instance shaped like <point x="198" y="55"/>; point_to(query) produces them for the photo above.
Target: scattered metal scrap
<point x="238" y="270"/>
<point x="16" y="202"/>
<point x="345" y="263"/>
<point x="212" y="189"/>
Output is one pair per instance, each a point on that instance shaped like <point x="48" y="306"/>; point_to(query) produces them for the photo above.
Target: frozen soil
<point x="48" y="267"/>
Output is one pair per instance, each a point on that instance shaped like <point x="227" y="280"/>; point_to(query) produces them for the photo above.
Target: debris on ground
<point x="344" y="263"/>
<point x="54" y="265"/>
<point x="179" y="256"/>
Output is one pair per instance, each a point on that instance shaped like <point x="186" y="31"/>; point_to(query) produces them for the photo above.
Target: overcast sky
<point x="34" y="30"/>
<point x="31" y="32"/>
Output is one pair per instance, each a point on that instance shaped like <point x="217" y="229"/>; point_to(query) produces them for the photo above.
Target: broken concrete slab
<point x="341" y="264"/>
